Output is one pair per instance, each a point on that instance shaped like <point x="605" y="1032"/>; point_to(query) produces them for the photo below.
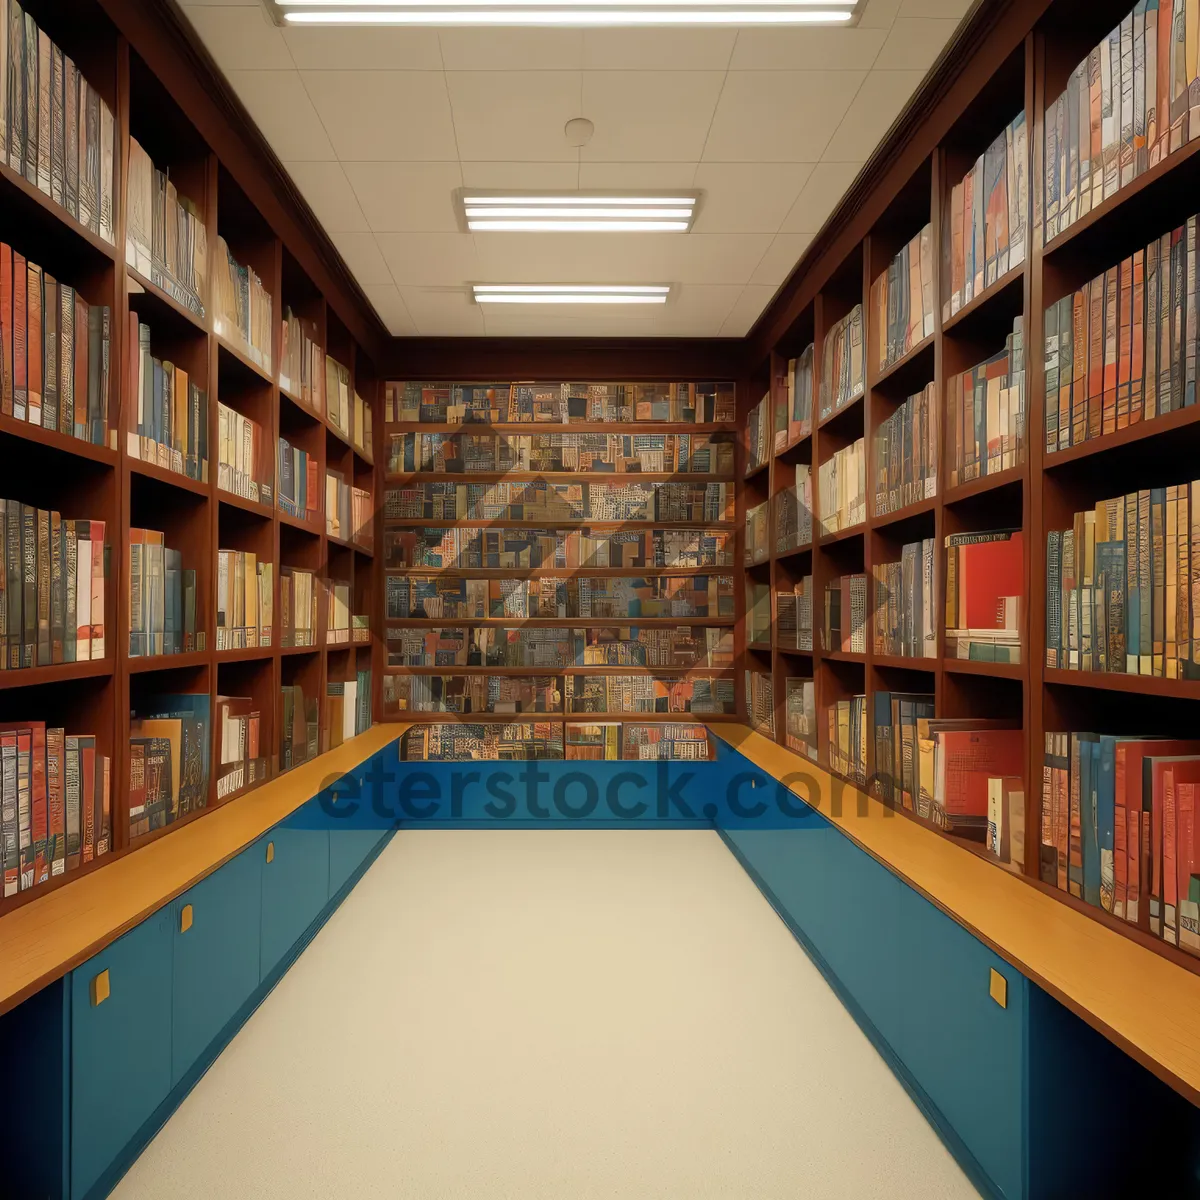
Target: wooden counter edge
<point x="43" y="940"/>
<point x="1140" y="1001"/>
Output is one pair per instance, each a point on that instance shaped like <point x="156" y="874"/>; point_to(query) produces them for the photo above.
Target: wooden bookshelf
<point x="167" y="94"/>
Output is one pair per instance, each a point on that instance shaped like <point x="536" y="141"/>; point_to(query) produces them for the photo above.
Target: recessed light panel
<point x="570" y="293"/>
<point x="578" y="213"/>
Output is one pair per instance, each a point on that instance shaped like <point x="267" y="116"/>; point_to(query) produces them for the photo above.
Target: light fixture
<point x="566" y="12"/>
<point x="577" y="212"/>
<point x="570" y="293"/>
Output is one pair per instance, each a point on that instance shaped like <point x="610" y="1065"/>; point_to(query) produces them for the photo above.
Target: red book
<point x="33" y="343"/>
<point x="20" y="331"/>
<point x="97" y="534"/>
<point x="989" y="571"/>
<point x="6" y="330"/>
<point x="104" y="805"/>
<point x="970" y="757"/>
<point x="39" y="810"/>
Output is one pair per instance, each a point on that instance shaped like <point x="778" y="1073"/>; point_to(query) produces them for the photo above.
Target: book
<point x="842" y="489"/>
<point x="902" y="300"/>
<point x="242" y="308"/>
<point x="906" y="450"/>
<point x="904" y="613"/>
<point x="757" y="443"/>
<point x="842" y="363"/>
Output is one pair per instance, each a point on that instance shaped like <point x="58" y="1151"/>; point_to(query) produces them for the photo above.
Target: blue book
<point x="1106" y="793"/>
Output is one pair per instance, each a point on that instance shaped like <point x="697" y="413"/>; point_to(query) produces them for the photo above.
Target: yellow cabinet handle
<point x="270" y="852"/>
<point x="185" y="918"/>
<point x="100" y="989"/>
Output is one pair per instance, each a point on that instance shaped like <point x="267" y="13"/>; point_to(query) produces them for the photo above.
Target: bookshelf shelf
<point x="996" y="670"/>
<point x="395" y="427"/>
<point x="795" y="552"/>
<point x="60" y="442"/>
<point x="901" y="515"/>
<point x="254" y="507"/>
<point x="43" y="225"/>
<point x="842" y="535"/>
<point x="144" y="664"/>
<point x="170" y="478"/>
<point x="1136" y="685"/>
<point x="299" y="405"/>
<point x="298" y="651"/>
<point x="761" y="469"/>
<point x="313" y="528"/>
<point x="846" y="421"/>
<point x="903" y="662"/>
<point x="844" y="656"/>
<point x="910" y="372"/>
<point x="1140" y="431"/>
<point x="28" y="677"/>
<point x="1013" y="476"/>
<point x="158" y="308"/>
<point x="792" y="652"/>
<point x="247" y="654"/>
<point x="238" y="360"/>
<point x="786" y="452"/>
<point x="1004" y="297"/>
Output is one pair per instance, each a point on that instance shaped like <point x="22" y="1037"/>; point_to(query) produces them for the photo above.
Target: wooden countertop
<point x="43" y="940"/>
<point x="1142" y="1002"/>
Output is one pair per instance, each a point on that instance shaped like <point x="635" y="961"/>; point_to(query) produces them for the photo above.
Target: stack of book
<point x="338" y="405"/>
<point x="906" y="453"/>
<point x="757" y="446"/>
<point x="758" y="613"/>
<point x="845" y="624"/>
<point x="760" y="702"/>
<point x="800" y="716"/>
<point x="301" y="361"/>
<point x="296" y="489"/>
<point x="60" y="133"/>
<point x="985" y="413"/>
<point x="343" y="710"/>
<point x="168" y="761"/>
<point x="240" y="447"/>
<point x="337" y="612"/>
<point x="51" y="589"/>
<point x="896" y="716"/>
<point x="239" y="745"/>
<point x="245" y="600"/>
<point x="55" y="350"/>
<point x="902" y="311"/>
<point x="168" y="411"/>
<point x="794" y="420"/>
<point x="347" y="510"/>
<point x="242" y="308"/>
<point x="842" y="489"/>
<point x="793" y="513"/>
<point x="301" y="727"/>
<point x="166" y="240"/>
<point x="846" y="731"/>
<point x="905" y="607"/>
<point x="842" y="363"/>
<point x="793" y="616"/>
<point x="1119" y="586"/>
<point x="758" y="546"/>
<point x="985" y="589"/>
<point x="161" y="598"/>
<point x="297" y="607"/>
<point x="956" y="761"/>
<point x="647" y="694"/>
<point x="983" y="231"/>
<point x="55" y="803"/>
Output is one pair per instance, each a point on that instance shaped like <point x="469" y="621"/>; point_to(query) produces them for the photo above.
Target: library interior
<point x="716" y="831"/>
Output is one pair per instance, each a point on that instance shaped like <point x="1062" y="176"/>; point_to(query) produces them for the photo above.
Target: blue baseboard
<point x="112" y="1176"/>
<point x="941" y="1126"/>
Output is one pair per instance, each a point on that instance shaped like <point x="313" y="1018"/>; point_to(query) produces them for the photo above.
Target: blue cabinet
<point x="216" y="958"/>
<point x="295" y="884"/>
<point x="120" y="1046"/>
<point x="348" y="849"/>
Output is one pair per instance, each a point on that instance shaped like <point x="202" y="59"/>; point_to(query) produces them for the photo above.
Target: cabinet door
<point x="216" y="957"/>
<point x="295" y="884"/>
<point x="120" y="1046"/>
<point x="347" y="850"/>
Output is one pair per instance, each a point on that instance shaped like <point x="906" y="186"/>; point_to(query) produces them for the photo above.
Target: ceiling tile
<point x="515" y="115"/>
<point x="371" y="49"/>
<point x="325" y="186"/>
<point x="443" y="312"/>
<point x="659" y="116"/>
<point x="772" y="116"/>
<point x="747" y="197"/>
<point x="242" y="38"/>
<point x="878" y="14"/>
<point x="511" y="49"/>
<point x="871" y="114"/>
<point x="914" y="43"/>
<point x="528" y="176"/>
<point x="363" y="257"/>
<point x="657" y="176"/>
<point x="388" y="303"/>
<point x="781" y="256"/>
<point x="658" y="49"/>
<point x="807" y="49"/>
<point x="754" y="298"/>
<point x="399" y="197"/>
<point x="825" y="187"/>
<point x="366" y="114"/>
<point x="282" y="110"/>
<point x="430" y="259"/>
<point x="713" y="257"/>
<point x="933" y="8"/>
<point x="709" y="303"/>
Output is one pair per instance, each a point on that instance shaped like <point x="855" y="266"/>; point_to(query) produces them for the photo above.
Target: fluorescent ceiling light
<point x="570" y="293"/>
<point x="579" y="213"/>
<point x="551" y="15"/>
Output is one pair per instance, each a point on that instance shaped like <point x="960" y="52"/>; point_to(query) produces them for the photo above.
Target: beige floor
<point x="557" y="1014"/>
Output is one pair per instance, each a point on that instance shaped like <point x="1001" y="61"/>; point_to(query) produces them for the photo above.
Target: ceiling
<point x="378" y="127"/>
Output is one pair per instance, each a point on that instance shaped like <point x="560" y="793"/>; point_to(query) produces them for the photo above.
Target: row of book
<point x="846" y="738"/>
<point x="902" y="311"/>
<point x="560" y="403"/>
<point x="793" y="512"/>
<point x="242" y="308"/>
<point x="985" y="223"/>
<point x="337" y="611"/>
<point x="298" y="591"/>
<point x="800" y="716"/>
<point x="844" y="622"/>
<point x="985" y="413"/>
<point x="349" y="511"/>
<point x="54" y="352"/>
<point x="462" y="548"/>
<point x="443" y="596"/>
<point x="756" y="546"/>
<point x="347" y="708"/>
<point x="240" y="750"/>
<point x="520" y="740"/>
<point x="245" y="600"/>
<point x="338" y="404"/>
<point x="299" y="737"/>
<point x="543" y="500"/>
<point x="302" y="361"/>
<point x="793" y="616"/>
<point x="166" y="240"/>
<point x="760" y="702"/>
<point x="52" y="587"/>
<point x="985" y="589"/>
<point x="758" y="613"/>
<point x="297" y="481"/>
<point x="793" y="420"/>
<point x="906" y="453"/>
<point x="842" y="489"/>
<point x="572" y="453"/>
<point x="843" y="374"/>
<point x="55" y="128"/>
<point x="169" y="761"/>
<point x="240" y="446"/>
<point x="548" y="647"/>
<point x="648" y="694"/>
<point x="161" y="598"/>
<point x="894" y="724"/>
<point x="905" y="618"/>
<point x="169" y="411"/>
<point x="757" y="446"/>
<point x="1122" y="348"/>
<point x="55" y="803"/>
<point x="1119" y="586"/>
<point x="1118" y="829"/>
<point x="1125" y="108"/>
